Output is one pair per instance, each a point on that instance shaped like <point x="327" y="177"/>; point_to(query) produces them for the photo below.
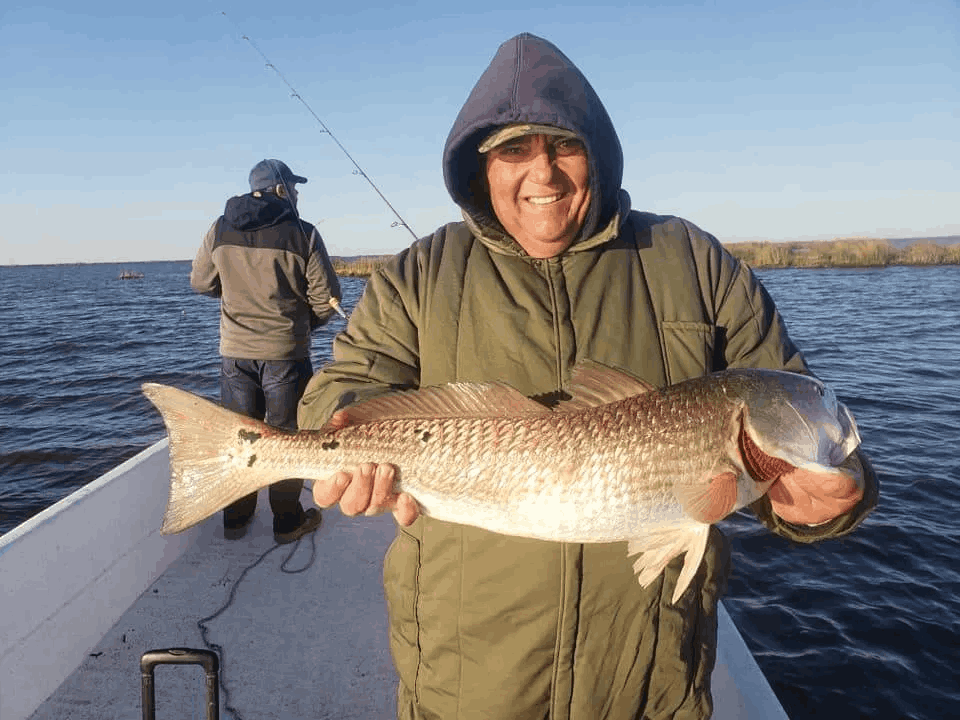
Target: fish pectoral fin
<point x="658" y="547"/>
<point x="710" y="501"/>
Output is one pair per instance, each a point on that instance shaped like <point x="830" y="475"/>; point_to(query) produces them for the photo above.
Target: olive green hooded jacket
<point x="489" y="626"/>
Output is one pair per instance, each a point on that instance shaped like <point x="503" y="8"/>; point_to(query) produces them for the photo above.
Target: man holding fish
<point x="549" y="267"/>
<point x="588" y="389"/>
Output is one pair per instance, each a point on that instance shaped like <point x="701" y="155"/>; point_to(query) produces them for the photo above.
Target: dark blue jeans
<point x="267" y="390"/>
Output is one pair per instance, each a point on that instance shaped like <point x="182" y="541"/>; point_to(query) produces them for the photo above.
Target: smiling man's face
<point x="539" y="190"/>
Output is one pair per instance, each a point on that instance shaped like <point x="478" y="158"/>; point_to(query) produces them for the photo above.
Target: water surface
<point x="863" y="627"/>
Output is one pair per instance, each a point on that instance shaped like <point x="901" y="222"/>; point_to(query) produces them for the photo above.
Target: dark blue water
<point x="869" y="626"/>
<point x="75" y="346"/>
<point x="863" y="627"/>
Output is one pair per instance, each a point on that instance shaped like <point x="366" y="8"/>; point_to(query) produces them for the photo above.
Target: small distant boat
<point x="131" y="275"/>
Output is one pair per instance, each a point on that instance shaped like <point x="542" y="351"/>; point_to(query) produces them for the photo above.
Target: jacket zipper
<point x="547" y="267"/>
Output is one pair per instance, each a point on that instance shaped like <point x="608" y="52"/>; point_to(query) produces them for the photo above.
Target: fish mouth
<point x="766" y="467"/>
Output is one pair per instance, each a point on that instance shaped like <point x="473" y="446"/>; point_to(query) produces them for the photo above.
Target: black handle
<point x="180" y="656"/>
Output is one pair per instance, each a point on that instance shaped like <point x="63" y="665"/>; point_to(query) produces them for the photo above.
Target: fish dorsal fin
<point x="593" y="384"/>
<point x="454" y="400"/>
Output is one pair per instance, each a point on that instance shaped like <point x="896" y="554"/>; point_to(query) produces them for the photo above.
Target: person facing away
<point x="275" y="281"/>
<point x="551" y="266"/>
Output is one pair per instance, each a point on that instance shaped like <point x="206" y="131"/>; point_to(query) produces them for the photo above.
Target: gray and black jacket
<point x="272" y="274"/>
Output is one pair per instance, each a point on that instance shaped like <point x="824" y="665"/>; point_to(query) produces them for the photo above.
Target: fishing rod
<point x="358" y="171"/>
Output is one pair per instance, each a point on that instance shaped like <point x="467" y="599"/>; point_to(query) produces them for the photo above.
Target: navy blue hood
<point x="531" y="81"/>
<point x="246" y="212"/>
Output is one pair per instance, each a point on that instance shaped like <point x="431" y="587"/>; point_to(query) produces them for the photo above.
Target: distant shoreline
<point x="845" y="253"/>
<point x="762" y="254"/>
<point x="362" y="266"/>
<point x="841" y="253"/>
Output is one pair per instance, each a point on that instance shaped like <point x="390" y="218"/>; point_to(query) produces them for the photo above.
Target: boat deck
<point x="300" y="629"/>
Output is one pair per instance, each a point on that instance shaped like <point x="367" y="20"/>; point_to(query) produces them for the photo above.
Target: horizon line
<point x="940" y="239"/>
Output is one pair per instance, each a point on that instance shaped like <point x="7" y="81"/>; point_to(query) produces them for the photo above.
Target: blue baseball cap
<point x="267" y="174"/>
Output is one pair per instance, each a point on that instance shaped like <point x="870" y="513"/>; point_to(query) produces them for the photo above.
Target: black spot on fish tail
<point x="332" y="445"/>
<point x="251" y="461"/>
<point x="425" y="436"/>
<point x="250" y="436"/>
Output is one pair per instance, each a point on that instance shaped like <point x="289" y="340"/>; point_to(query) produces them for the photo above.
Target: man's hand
<point x="803" y="497"/>
<point x="369" y="489"/>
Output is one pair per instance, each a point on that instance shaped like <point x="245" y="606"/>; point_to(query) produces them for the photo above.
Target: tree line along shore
<point x="841" y="253"/>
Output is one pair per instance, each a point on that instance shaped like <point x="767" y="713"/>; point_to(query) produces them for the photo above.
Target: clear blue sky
<point x="125" y="126"/>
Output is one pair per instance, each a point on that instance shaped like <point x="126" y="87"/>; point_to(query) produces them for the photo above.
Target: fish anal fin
<point x="658" y="547"/>
<point x="453" y="400"/>
<point x="711" y="501"/>
<point x="593" y="384"/>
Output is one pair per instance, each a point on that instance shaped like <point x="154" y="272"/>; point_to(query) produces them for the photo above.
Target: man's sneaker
<point x="236" y="528"/>
<point x="309" y="521"/>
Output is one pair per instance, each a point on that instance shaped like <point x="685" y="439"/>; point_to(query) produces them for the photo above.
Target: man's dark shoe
<point x="308" y="522"/>
<point x="235" y="528"/>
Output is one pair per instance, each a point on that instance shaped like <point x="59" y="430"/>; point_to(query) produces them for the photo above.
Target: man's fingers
<point x="383" y="496"/>
<point x="406" y="510"/>
<point x="326" y="494"/>
<point x="356" y="498"/>
<point x="369" y="489"/>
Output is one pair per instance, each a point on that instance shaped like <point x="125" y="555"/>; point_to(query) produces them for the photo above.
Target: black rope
<point x="202" y="623"/>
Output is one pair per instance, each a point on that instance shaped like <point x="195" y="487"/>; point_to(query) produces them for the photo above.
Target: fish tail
<point x="660" y="546"/>
<point x="207" y="470"/>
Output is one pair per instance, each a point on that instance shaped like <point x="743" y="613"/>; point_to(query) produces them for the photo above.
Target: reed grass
<point x="841" y="252"/>
<point x="363" y="266"/>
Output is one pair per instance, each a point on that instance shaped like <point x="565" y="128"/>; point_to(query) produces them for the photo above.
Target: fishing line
<point x="358" y="171"/>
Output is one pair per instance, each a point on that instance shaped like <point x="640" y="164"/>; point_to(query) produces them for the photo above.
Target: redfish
<point x="616" y="461"/>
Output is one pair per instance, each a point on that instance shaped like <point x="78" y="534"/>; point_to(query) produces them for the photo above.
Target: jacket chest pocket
<point x="689" y="349"/>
